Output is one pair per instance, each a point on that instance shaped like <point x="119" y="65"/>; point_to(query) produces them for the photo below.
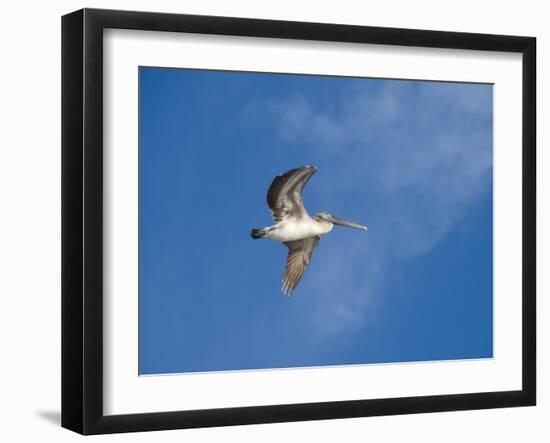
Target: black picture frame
<point x="82" y="220"/>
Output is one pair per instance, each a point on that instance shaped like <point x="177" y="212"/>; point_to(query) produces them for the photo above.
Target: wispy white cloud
<point x="413" y="157"/>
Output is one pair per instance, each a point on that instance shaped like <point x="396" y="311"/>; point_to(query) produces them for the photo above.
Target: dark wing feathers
<point x="284" y="195"/>
<point x="299" y="256"/>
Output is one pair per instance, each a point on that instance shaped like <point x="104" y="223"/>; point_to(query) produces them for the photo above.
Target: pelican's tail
<point x="258" y="233"/>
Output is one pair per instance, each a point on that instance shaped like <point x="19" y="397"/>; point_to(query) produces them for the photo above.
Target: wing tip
<point x="287" y="291"/>
<point x="282" y="174"/>
<point x="287" y="287"/>
<point x="313" y="169"/>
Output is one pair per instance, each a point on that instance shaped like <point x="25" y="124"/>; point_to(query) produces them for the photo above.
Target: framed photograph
<point x="268" y="221"/>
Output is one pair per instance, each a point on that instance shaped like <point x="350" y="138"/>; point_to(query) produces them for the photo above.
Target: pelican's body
<point x="290" y="230"/>
<point x="294" y="226"/>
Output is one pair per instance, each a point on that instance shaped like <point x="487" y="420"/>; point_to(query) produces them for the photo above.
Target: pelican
<point x="294" y="226"/>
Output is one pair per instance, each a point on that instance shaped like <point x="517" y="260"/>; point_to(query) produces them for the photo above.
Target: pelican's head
<point x="326" y="217"/>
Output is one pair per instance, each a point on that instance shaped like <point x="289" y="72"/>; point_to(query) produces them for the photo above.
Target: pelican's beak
<point x="339" y="221"/>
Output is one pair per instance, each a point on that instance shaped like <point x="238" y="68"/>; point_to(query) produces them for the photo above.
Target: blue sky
<point x="411" y="160"/>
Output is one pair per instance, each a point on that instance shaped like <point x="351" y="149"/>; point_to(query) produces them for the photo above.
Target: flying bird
<point x="294" y="226"/>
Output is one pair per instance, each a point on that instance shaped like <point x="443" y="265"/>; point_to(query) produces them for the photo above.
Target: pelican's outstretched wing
<point x="299" y="256"/>
<point x="284" y="195"/>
